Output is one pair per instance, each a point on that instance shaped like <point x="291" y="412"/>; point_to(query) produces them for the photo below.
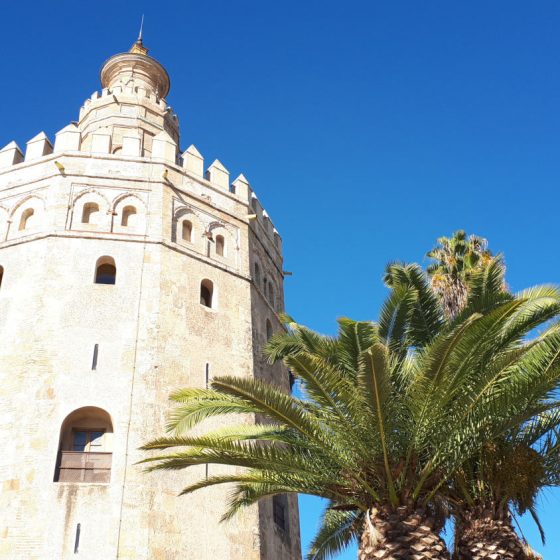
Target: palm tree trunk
<point x="487" y="533"/>
<point x="404" y="534"/>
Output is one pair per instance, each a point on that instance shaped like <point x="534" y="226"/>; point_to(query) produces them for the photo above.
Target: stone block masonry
<point x="125" y="272"/>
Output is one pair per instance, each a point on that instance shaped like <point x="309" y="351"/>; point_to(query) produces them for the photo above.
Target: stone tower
<point x="126" y="271"/>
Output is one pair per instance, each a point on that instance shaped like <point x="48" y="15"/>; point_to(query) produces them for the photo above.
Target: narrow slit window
<point x="95" y="354"/>
<point x="257" y="278"/>
<point x="77" y="538"/>
<point x="268" y="329"/>
<point x="1" y="275"/>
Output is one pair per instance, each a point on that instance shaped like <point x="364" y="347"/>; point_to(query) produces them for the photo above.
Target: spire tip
<point x="141" y="29"/>
<point x="138" y="47"/>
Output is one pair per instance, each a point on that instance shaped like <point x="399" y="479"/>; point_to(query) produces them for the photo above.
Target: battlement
<point x="136" y="94"/>
<point x="164" y="150"/>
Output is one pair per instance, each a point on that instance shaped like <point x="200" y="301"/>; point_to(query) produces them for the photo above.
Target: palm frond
<point x="338" y="530"/>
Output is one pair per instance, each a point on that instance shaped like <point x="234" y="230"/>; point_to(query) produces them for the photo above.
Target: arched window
<point x="206" y="293"/>
<point x="268" y="329"/>
<point x="26" y="219"/>
<point x="90" y="213"/>
<point x="271" y="293"/>
<point x="265" y="283"/>
<point x="128" y="216"/>
<point x="105" y="271"/>
<point x="186" y="230"/>
<point x="220" y="245"/>
<point x="257" y="278"/>
<point x="1" y="275"/>
<point x="85" y="447"/>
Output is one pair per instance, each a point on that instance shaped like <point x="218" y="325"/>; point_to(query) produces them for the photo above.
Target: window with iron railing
<point x="86" y="459"/>
<point x="81" y="466"/>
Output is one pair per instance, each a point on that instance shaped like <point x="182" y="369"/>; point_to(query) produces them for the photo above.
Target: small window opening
<point x="105" y="271"/>
<point x="128" y="216"/>
<point x="257" y="278"/>
<point x="280" y="511"/>
<point x="90" y="213"/>
<point x="206" y="293"/>
<point x="265" y="283"/>
<point x="271" y="293"/>
<point x="77" y="538"/>
<point x="1" y="275"/>
<point x="187" y="231"/>
<point x="26" y="219"/>
<point x="95" y="355"/>
<point x="220" y="245"/>
<point x="268" y="329"/>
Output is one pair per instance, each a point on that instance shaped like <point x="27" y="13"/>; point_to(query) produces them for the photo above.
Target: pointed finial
<point x="138" y="47"/>
<point x="141" y="29"/>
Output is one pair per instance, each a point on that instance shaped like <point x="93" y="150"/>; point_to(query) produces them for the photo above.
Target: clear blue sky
<point x="367" y="128"/>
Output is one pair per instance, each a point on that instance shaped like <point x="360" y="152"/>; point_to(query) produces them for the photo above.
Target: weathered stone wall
<point x="153" y="336"/>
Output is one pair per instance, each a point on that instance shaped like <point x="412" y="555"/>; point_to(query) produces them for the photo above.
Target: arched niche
<point x="129" y="215"/>
<point x="223" y="242"/>
<point x="90" y="211"/>
<point x="187" y="229"/>
<point x="27" y="217"/>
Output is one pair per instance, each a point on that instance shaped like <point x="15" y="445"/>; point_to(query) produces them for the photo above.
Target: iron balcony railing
<point x="80" y="466"/>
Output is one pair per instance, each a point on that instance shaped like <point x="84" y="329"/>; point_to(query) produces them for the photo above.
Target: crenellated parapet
<point x="213" y="181"/>
<point x="219" y="177"/>
<point x="127" y="93"/>
<point x="125" y="108"/>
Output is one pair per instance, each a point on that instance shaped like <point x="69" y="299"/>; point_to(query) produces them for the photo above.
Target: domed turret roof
<point x="135" y="65"/>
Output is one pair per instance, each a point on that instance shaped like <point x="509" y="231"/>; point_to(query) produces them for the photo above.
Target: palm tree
<point x="506" y="475"/>
<point x="456" y="258"/>
<point x="390" y="414"/>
